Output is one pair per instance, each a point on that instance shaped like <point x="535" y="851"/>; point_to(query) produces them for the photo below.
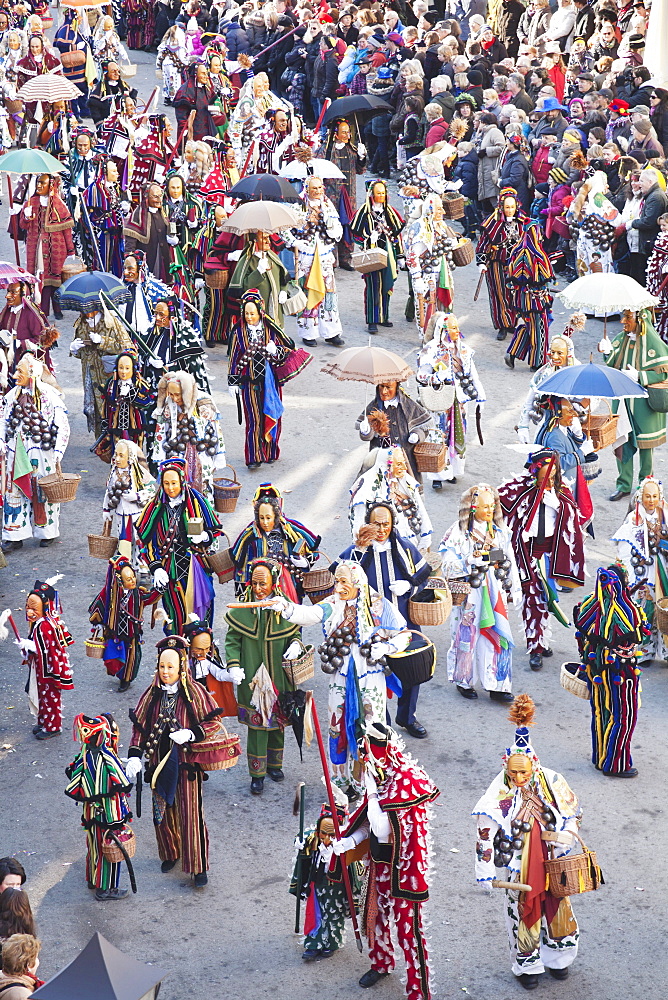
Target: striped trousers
<point x="182" y="832"/>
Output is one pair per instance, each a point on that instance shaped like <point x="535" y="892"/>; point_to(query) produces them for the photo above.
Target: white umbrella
<point x="605" y="294"/>
<point x="317" y="167"/>
<point x="260" y="216"/>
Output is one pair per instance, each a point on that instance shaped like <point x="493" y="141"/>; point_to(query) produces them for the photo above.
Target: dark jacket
<point x="653" y="205"/>
<point x="659" y="119"/>
<point x="236" y="40"/>
<point x="326" y="76"/>
<point x="515" y="173"/>
<point x="446" y="102"/>
<point x="522" y="101"/>
<point x="641" y="95"/>
<point x="508" y="19"/>
<point x="585" y="23"/>
<point x="466" y="171"/>
<point x="257" y="37"/>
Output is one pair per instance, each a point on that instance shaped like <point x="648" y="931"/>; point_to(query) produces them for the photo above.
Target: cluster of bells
<point x="466" y="382"/>
<point x="501" y="572"/>
<point x="335" y="648"/>
<point x="116" y="491"/>
<point x="598" y="231"/>
<point x="33" y="424"/>
<point x="412" y="514"/>
<point x="187" y="434"/>
<point x="505" y="847"/>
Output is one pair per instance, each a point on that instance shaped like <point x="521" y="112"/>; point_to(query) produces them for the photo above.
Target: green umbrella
<point x="30" y="161"/>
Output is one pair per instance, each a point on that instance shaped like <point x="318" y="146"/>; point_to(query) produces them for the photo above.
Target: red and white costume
<point x="50" y="671"/>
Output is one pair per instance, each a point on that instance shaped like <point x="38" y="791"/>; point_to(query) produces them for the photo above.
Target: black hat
<point x="586" y="76"/>
<point x="636" y="42"/>
<point x="176" y="642"/>
<point x="431" y="17"/>
<point x="475" y="77"/>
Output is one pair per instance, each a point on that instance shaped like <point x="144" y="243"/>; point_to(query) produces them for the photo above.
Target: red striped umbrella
<point x="10" y="273"/>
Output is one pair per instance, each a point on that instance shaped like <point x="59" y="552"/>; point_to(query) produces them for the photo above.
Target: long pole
<point x="335" y="823"/>
<point x="300" y="858"/>
<point x="15" y="222"/>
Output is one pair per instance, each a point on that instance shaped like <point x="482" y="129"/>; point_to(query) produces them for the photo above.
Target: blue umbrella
<point x="82" y="292"/>
<point x="581" y="381"/>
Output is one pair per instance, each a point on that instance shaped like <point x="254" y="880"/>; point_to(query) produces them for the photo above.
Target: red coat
<point x="51" y="662"/>
<point x="556" y="212"/>
<point x="52" y="227"/>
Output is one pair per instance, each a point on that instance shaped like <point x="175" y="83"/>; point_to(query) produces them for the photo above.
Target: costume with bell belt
<point x="406" y="416"/>
<point x="50" y="670"/>
<point x="498" y="236"/>
<point x="648" y="354"/>
<point x="542" y="931"/>
<point x="398" y="878"/>
<point x="99" y="783"/>
<point x="287" y="538"/>
<point x="521" y="502"/>
<point x="257" y="637"/>
<point x="178" y="811"/>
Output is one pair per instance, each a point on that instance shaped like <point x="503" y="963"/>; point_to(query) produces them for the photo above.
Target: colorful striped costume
<point x="388" y="224"/>
<point x="498" y="236"/>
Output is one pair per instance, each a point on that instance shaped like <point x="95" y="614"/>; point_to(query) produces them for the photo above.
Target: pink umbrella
<point x="10" y="273"/>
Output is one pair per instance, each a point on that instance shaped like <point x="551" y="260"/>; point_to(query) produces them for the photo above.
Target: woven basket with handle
<point x="570" y="680"/>
<point x="58" y="486"/>
<point x="430" y="455"/>
<point x="302" y="668"/>
<point x="434" y="612"/>
<point x="601" y="428"/>
<point x="319" y="581"/>
<point x="112" y="851"/>
<point x="460" y="590"/>
<point x="463" y="254"/>
<point x="95" y="645"/>
<point x="226" y="493"/>
<point x="661" y="615"/>
<point x="221" y="563"/>
<point x="574" y="873"/>
<point x="102" y="546"/>
<point x="453" y="205"/>
<point x="216" y="279"/>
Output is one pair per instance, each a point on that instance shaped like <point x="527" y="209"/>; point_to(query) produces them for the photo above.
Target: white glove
<point x="3" y="447"/>
<point x="95" y="338"/>
<point x="482" y="268"/>
<point x="160" y="578"/>
<point x="76" y="345"/>
<point x="373" y="237"/>
<point x="604" y="346"/>
<point x="400" y="587"/>
<point x="236" y="675"/>
<point x="263" y="265"/>
<point x="365" y="426"/>
<point x="419" y="286"/>
<point x="282" y="297"/>
<point x="235" y="256"/>
<point x="199" y="283"/>
<point x="378" y="820"/>
<point x="125" y="207"/>
<point x="182" y="736"/>
<point x="523" y="435"/>
<point x="379" y="649"/>
<point x="81" y="45"/>
<point x="271" y="346"/>
<point x="628" y="224"/>
<point x="413" y="438"/>
<point x="192" y="224"/>
<point x="173" y="241"/>
<point x="279" y="605"/>
<point x="107" y="515"/>
<point x="156" y="362"/>
<point x="370" y="784"/>
<point x="233" y="390"/>
<point x="343" y="845"/>
<point x="361" y="150"/>
<point x="74" y="189"/>
<point x="199" y="539"/>
<point x="293" y="651"/>
<point x="133" y="768"/>
<point x="631" y="372"/>
<point x="26" y="645"/>
<point x="28" y="211"/>
<point x="301" y="562"/>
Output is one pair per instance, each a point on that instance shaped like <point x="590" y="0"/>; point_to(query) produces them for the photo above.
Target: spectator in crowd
<point x="20" y="961"/>
<point x="12" y="874"/>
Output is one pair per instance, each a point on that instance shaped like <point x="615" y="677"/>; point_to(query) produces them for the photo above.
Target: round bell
<point x="517" y="844"/>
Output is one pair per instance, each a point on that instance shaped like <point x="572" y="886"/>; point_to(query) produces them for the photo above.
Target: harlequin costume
<point x="99" y="783"/>
<point x="542" y="931"/>
<point x="394" y="821"/>
<point x="162" y="528"/>
<point x="256" y="641"/>
<point x="610" y="629"/>
<point x="289" y="543"/>
<point x="50" y="671"/>
<point x="103" y="201"/>
<point x="25" y="326"/>
<point x="126" y="405"/>
<point x="378" y="285"/>
<point x="546" y="531"/>
<point x="172" y="769"/>
<point x="260" y="375"/>
<point x="528" y="273"/>
<point x="498" y="236"/>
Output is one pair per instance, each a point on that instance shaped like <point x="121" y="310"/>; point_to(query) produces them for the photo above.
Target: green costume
<point x="269" y="283"/>
<point x="647" y="353"/>
<point x="256" y="636"/>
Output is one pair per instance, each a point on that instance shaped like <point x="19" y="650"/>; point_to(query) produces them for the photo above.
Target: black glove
<point x="482" y="153"/>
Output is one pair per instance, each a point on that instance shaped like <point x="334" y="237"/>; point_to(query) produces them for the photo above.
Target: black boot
<point x="257" y="786"/>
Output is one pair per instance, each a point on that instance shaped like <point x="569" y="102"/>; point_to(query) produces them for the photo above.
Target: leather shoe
<point x="253" y="466"/>
<point x="502" y="334"/>
<point x="309" y="342"/>
<point x="528" y="982"/>
<point x="373" y="328"/>
<point x="275" y="774"/>
<point x="43" y="735"/>
<point x="536" y="661"/>
<point x="371" y="977"/>
<point x="502" y="696"/>
<point x="631" y="773"/>
<point x="509" y="360"/>
<point x="345" y="266"/>
<point x="559" y="973"/>
<point x="257" y="786"/>
<point x="387" y="323"/>
<point x="105" y="895"/>
<point x="469" y="693"/>
<point x="337" y="341"/>
<point x="415" y="729"/>
<point x="11" y="546"/>
<point x="167" y="866"/>
<point x="200" y="880"/>
<point x="437" y="484"/>
<point x="618" y="495"/>
<point x="46" y="542"/>
<point x="547" y="653"/>
<point x="124" y="685"/>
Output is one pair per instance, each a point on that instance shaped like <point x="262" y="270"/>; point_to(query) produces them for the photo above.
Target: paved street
<point x="235" y="938"/>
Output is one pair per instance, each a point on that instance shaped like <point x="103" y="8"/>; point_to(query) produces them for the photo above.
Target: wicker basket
<point x="661" y="613"/>
<point x="574" y="873"/>
<point x="570" y="680"/>
<point x="102" y="546"/>
<point x="434" y="612"/>
<point x="371" y="259"/>
<point x="319" y="581"/>
<point x="216" y="279"/>
<point x="221" y="563"/>
<point x="316" y="596"/>
<point x="226" y="493"/>
<point x="301" y="669"/>
<point x="460" y="590"/>
<point x="127" y="70"/>
<point x="463" y="254"/>
<point x="112" y="851"/>
<point x="217" y="754"/>
<point x="601" y="428"/>
<point x="59" y="487"/>
<point x="438" y="400"/>
<point x="95" y="646"/>
<point x="453" y="205"/>
<point x="430" y="456"/>
<point x="73" y="265"/>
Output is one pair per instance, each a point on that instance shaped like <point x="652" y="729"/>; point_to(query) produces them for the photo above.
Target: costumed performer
<point x="130" y="486"/>
<point x="48" y="224"/>
<point x="560" y="355"/>
<point x="393" y="418"/>
<point x="98" y="332"/>
<point x="428" y="240"/>
<point x="499" y="233"/>
<point x="378" y="225"/>
<point x="340" y="149"/>
<point x="127" y="395"/>
<point x="528" y="272"/>
<point x="387" y="480"/>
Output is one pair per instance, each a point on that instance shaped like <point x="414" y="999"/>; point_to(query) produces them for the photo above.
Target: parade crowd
<point x="306" y="139"/>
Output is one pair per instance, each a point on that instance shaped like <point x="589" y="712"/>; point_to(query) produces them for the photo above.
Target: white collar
<point x="176" y="501"/>
<point x="152" y="210"/>
<point x="170" y="688"/>
<point x="16" y="309"/>
<point x="382" y="546"/>
<point x="392" y="402"/>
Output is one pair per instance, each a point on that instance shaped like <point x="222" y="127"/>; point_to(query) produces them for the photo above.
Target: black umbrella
<point x="292" y="707"/>
<point x="358" y="105"/>
<point x="263" y="187"/>
<point x="104" y="972"/>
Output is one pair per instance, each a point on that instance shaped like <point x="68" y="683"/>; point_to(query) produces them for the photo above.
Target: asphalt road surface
<point x="235" y="938"/>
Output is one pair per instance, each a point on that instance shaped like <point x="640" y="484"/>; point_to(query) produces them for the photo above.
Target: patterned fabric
<point x="406" y="916"/>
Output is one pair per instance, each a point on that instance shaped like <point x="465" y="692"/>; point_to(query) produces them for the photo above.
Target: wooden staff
<point x="478" y="286"/>
<point x="299" y="800"/>
<point x="520" y="886"/>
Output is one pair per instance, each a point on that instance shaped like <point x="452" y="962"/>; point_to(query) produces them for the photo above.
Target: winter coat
<point x="522" y="101"/>
<point x="653" y="205"/>
<point x="466" y="171"/>
<point x="508" y="19"/>
<point x="492" y="145"/>
<point x="540" y="165"/>
<point x="22" y="986"/>
<point x="257" y="37"/>
<point x="585" y="23"/>
<point x="556" y="212"/>
<point x="437" y="132"/>
<point x="236" y="40"/>
<point x="515" y="173"/>
<point x="659" y="119"/>
<point x="446" y="102"/>
<point x="326" y="76"/>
